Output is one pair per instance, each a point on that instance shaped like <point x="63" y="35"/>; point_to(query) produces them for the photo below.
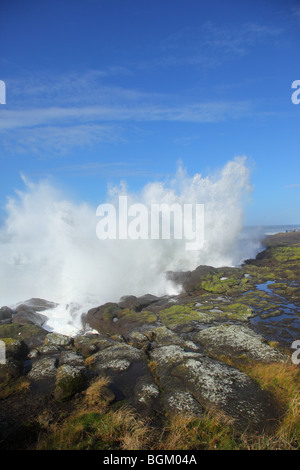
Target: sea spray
<point x="49" y="247"/>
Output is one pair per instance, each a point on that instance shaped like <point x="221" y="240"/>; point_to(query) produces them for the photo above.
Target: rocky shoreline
<point x="178" y="354"/>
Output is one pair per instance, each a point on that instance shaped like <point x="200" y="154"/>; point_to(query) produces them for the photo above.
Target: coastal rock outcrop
<point x="193" y="382"/>
<point x="188" y="353"/>
<point x="238" y="341"/>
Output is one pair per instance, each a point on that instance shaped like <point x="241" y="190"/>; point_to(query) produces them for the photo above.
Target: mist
<point x="49" y="248"/>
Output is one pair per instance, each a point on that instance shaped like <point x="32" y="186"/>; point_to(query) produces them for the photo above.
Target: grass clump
<point x="211" y="431"/>
<point x="98" y="430"/>
<point x="100" y="423"/>
<point x="11" y="387"/>
<point x="283" y="381"/>
<point x="95" y="425"/>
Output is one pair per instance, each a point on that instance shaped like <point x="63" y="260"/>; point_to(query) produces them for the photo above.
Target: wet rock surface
<point x="161" y="354"/>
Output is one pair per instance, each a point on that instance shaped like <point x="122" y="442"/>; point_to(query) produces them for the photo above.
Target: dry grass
<point x="10" y="387"/>
<point x="113" y="430"/>
<point x="89" y="361"/>
<point x="282" y="380"/>
<point x="97" y="394"/>
<point x="186" y="432"/>
<point x="136" y="432"/>
<point x="97" y="424"/>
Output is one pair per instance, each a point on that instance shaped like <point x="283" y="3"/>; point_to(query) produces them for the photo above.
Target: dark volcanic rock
<point x="137" y="303"/>
<point x="38" y="305"/>
<point x="70" y="379"/>
<point x="26" y="314"/>
<point x="44" y="368"/>
<point x="238" y="341"/>
<point x="190" y="280"/>
<point x="5" y="314"/>
<point x="193" y="381"/>
<point x="196" y="276"/>
<point x="28" y="311"/>
<point x="111" y="319"/>
<point x="162" y="355"/>
<point x="103" y="318"/>
<point x="15" y="349"/>
<point x="282" y="239"/>
<point x="32" y="335"/>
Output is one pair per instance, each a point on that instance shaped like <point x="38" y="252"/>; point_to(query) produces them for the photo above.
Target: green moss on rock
<point x="32" y="335"/>
<point x="238" y="311"/>
<point x="286" y="253"/>
<point x="219" y="285"/>
<point x="179" y="315"/>
<point x="143" y="317"/>
<point x="69" y="381"/>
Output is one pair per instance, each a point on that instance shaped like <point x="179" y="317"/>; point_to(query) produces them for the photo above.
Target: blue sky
<point x="99" y="91"/>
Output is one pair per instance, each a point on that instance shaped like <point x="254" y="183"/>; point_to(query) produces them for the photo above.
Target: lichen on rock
<point x="238" y="341"/>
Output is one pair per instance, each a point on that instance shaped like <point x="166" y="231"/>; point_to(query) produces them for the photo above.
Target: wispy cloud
<point x="210" y="45"/>
<point x="197" y="112"/>
<point x="57" y="113"/>
<point x="61" y="113"/>
<point x="110" y="169"/>
<point x="296" y="185"/>
<point x="296" y="11"/>
<point x="60" y="129"/>
<point x="57" y="139"/>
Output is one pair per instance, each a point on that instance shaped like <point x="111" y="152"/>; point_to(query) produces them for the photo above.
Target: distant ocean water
<point x="270" y="229"/>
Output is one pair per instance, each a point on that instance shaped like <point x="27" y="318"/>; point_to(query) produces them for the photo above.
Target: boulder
<point x="138" y="340"/>
<point x="25" y="314"/>
<point x="87" y="344"/>
<point x="194" y="279"/>
<point x="102" y="318"/>
<point x="15" y="349"/>
<point x="192" y="381"/>
<point x="69" y="380"/>
<point x="117" y="357"/>
<point x="111" y="319"/>
<point x="38" y="305"/>
<point x="59" y="341"/>
<point x="32" y="335"/>
<point x="163" y="336"/>
<point x="29" y="311"/>
<point x="43" y="368"/>
<point x="146" y="393"/>
<point x="71" y="358"/>
<point x="5" y="314"/>
<point x="238" y="341"/>
<point x="137" y="303"/>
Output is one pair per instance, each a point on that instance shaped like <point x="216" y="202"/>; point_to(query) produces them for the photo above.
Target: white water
<point x="49" y="248"/>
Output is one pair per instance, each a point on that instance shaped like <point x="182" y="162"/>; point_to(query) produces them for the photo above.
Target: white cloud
<point x="59" y="139"/>
<point x="210" y="45"/>
<point x="61" y="129"/>
<point x="197" y="112"/>
<point x="296" y="185"/>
